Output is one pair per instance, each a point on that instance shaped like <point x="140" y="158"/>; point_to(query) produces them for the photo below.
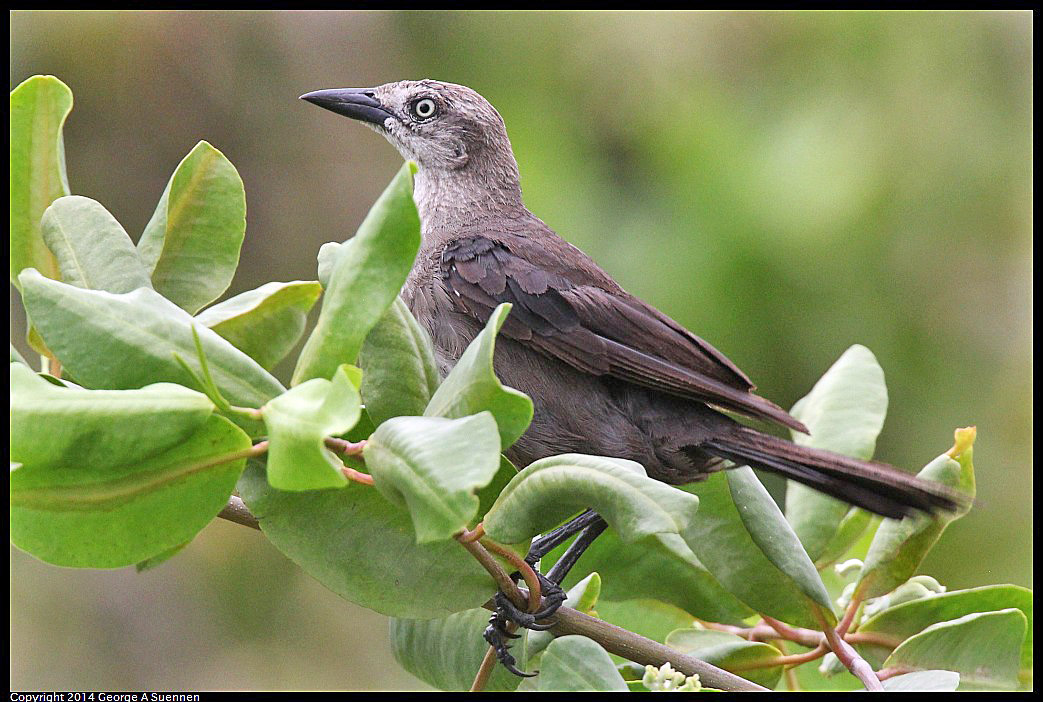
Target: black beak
<point x="357" y="103"/>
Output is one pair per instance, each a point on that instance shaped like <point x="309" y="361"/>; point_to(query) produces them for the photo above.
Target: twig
<point x="804" y="637"/>
<point x="474" y="535"/>
<point x="644" y="651"/>
<point x="874" y="639"/>
<point x="784" y="630"/>
<point x="527" y="573"/>
<point x="893" y="671"/>
<point x="503" y="581"/>
<point x="347" y="448"/>
<point x="485" y="669"/>
<point x="849" y="615"/>
<point x="849" y="657"/>
<point x="790" y="660"/>
<point x="357" y="476"/>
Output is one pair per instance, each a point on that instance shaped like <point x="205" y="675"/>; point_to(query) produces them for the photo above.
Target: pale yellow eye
<point x="424" y="109"/>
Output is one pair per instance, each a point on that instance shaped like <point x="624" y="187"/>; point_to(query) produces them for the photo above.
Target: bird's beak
<point x="357" y="103"/>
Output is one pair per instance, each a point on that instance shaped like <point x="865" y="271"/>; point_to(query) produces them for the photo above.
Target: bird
<point x="608" y="373"/>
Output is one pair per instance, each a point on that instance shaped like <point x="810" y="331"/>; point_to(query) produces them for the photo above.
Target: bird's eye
<point x="424" y="109"/>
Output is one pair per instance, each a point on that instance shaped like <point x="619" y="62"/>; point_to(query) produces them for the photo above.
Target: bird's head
<point x="442" y="126"/>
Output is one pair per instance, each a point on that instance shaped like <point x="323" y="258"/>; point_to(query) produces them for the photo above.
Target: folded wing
<point x="596" y="330"/>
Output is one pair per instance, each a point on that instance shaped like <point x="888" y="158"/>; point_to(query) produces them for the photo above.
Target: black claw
<point x="497" y="636"/>
<point x="508" y="663"/>
<point x="536" y="626"/>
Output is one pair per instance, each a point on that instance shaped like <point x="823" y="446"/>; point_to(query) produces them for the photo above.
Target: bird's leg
<point x="568" y="559"/>
<point x="548" y="542"/>
<point x="505" y="611"/>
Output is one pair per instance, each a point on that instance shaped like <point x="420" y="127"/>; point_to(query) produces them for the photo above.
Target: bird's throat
<point x="465" y="195"/>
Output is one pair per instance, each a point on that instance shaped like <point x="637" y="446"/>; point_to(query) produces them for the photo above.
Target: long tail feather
<point x="877" y="487"/>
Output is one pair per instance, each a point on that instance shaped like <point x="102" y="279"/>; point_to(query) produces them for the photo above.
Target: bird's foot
<point x="500" y="639"/>
<point x="506" y="612"/>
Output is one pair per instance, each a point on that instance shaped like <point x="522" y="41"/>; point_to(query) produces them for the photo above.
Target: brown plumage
<point x="608" y="374"/>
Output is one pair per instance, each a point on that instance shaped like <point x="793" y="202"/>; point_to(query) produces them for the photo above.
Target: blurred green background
<point x="784" y="184"/>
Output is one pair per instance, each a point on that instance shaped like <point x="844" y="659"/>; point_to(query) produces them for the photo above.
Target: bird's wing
<point x="595" y="330"/>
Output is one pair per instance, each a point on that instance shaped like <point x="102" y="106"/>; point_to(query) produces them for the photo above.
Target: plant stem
<point x="357" y="476"/>
<point x="503" y="581"/>
<point x="485" y="670"/>
<point x="347" y="448"/>
<point x="804" y="637"/>
<point x="527" y="573"/>
<point x="849" y="657"/>
<point x="644" y="651"/>
<point x="849" y="615"/>
<point x="893" y="671"/>
<point x="468" y="536"/>
<point x="790" y="660"/>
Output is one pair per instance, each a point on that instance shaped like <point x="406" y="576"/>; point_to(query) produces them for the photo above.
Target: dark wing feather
<point x="595" y="330"/>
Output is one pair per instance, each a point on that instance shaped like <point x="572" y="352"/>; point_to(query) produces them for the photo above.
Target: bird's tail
<point x="877" y="487"/>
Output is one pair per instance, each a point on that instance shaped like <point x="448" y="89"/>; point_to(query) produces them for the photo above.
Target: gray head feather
<point x="466" y="165"/>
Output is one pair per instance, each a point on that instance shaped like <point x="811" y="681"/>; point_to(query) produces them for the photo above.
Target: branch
<point x="805" y="637"/>
<point x="644" y="651"/>
<point x="850" y="658"/>
<point x="611" y="637"/>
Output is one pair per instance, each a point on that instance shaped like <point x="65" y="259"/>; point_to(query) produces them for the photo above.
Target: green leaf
<point x="577" y="664"/>
<point x="111" y="513"/>
<point x="367" y="275"/>
<point x="661" y="567"/>
<point x="845" y="412"/>
<point x="363" y="548"/>
<point x="264" y="323"/>
<point x="472" y="386"/>
<point x="488" y="494"/>
<point x="298" y="423"/>
<point x="398" y="363"/>
<point x="900" y="545"/>
<point x="851" y="531"/>
<point x="92" y="249"/>
<point x="55" y="426"/>
<point x="908" y="618"/>
<point x="447" y="652"/>
<point x="550" y="490"/>
<point x="191" y="244"/>
<point x="39" y="107"/>
<point x="433" y="467"/>
<point x="735" y="654"/>
<point x="129" y="340"/>
<point x="924" y="681"/>
<point x="753" y="552"/>
<point x="984" y="648"/>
